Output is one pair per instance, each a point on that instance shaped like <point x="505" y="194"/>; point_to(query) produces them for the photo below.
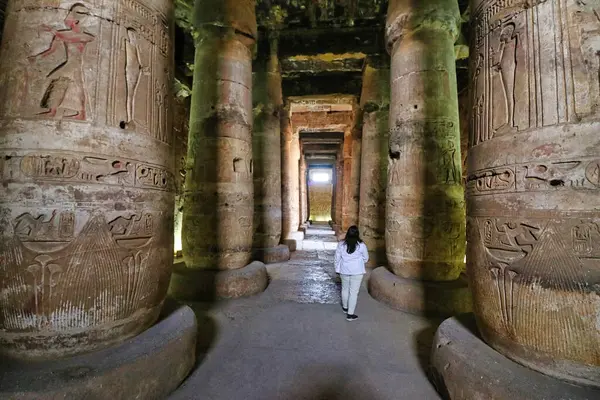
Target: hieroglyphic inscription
<point x="93" y="169"/>
<point x="424" y="144"/>
<point x="58" y="227"/>
<point x="543" y="176"/>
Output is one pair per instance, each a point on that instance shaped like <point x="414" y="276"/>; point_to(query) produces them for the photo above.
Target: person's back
<point x="350" y="258"/>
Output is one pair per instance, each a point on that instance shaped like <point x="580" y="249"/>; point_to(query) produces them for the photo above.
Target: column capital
<point x="237" y="15"/>
<point x="407" y="16"/>
<point x="375" y="93"/>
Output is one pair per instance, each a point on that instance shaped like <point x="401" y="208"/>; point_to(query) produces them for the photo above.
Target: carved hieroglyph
<point x="373" y="181"/>
<point x="219" y="189"/>
<point x="425" y="216"/>
<point x="533" y="219"/>
<point x="86" y="206"/>
<point x="266" y="139"/>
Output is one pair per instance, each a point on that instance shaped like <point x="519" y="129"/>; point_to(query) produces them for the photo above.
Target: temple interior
<point x="177" y="175"/>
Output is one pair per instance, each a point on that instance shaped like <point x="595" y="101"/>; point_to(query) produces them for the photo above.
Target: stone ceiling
<point x="323" y="44"/>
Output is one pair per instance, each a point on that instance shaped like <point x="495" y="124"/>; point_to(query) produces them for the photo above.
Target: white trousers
<point x="350" y="288"/>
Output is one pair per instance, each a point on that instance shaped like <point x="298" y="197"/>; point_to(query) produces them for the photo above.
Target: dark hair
<point x="352" y="239"/>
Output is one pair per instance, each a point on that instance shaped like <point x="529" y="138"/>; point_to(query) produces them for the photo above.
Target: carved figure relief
<point x="448" y="163"/>
<point x="504" y="70"/>
<point x="139" y="86"/>
<point x="133" y="72"/>
<point x="65" y="95"/>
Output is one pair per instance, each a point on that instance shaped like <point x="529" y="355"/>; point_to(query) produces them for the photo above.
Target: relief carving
<point x="65" y="95"/>
<point x="133" y="72"/>
<point x="93" y="169"/>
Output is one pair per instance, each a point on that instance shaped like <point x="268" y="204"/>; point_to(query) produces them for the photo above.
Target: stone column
<point x="374" y="102"/>
<point x="86" y="209"/>
<point x="351" y="178"/>
<point x="290" y="183"/>
<point x="425" y="214"/>
<point x="339" y="192"/>
<point x="303" y="194"/>
<point x="219" y="203"/>
<point x="534" y="184"/>
<point x="268" y="100"/>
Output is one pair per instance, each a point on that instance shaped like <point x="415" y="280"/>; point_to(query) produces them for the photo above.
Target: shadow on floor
<point x="329" y="382"/>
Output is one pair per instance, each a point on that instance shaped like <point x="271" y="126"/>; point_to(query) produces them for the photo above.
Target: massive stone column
<point x="303" y="193"/>
<point x="268" y="100"/>
<point x="338" y="192"/>
<point x="86" y="205"/>
<point x="534" y="184"/>
<point x="374" y="102"/>
<point x="425" y="214"/>
<point x="351" y="177"/>
<point x="219" y="203"/>
<point x="290" y="183"/>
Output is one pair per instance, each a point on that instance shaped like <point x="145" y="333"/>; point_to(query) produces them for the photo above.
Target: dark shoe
<point x="351" y="317"/>
<point x="345" y="310"/>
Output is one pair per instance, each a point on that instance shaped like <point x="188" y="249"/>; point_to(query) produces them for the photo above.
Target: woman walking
<point x="350" y="258"/>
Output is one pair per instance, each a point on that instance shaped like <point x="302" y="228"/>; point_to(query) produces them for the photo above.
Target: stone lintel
<point x="465" y="367"/>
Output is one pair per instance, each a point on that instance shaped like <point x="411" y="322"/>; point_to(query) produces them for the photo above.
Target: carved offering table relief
<point x="533" y="221"/>
<point x="86" y="206"/>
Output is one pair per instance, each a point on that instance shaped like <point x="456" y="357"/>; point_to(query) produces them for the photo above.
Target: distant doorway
<point x="320" y="193"/>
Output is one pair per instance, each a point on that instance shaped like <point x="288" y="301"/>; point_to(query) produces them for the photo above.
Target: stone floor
<point x="293" y="341"/>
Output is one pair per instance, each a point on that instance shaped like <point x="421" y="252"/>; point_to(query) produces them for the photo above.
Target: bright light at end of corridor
<point x="320" y="177"/>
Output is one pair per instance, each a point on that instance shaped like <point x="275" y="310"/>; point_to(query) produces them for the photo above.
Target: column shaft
<point x="267" y="153"/>
<point x="425" y="229"/>
<point x="534" y="180"/>
<point x="86" y="205"/>
<point x="374" y="161"/>
<point x="290" y="184"/>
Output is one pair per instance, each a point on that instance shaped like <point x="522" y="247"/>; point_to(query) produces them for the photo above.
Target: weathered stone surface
<point x="533" y="185"/>
<point x="290" y="243"/>
<point x="425" y="228"/>
<point x="86" y="203"/>
<point x="208" y="285"/>
<point x="465" y="368"/>
<point x="420" y="297"/>
<point x="290" y="178"/>
<point x="374" y="102"/>
<point x="273" y="255"/>
<point x="266" y="138"/>
<point x="219" y="211"/>
<point x="149" y="366"/>
<point x="351" y="175"/>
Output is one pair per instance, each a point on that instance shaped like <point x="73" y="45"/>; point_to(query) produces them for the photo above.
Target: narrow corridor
<point x="293" y="341"/>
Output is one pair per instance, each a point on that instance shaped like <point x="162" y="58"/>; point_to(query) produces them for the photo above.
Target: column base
<point x="208" y="285"/>
<point x="464" y="367"/>
<point x="273" y="255"/>
<point x="377" y="258"/>
<point x="149" y="366"/>
<point x="294" y="240"/>
<point x="420" y="297"/>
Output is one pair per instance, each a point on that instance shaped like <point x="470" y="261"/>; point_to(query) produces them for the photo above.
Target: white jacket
<point x="351" y="264"/>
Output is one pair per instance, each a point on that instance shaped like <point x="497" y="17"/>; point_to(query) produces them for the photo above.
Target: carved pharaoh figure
<point x="65" y="94"/>
<point x="133" y="73"/>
